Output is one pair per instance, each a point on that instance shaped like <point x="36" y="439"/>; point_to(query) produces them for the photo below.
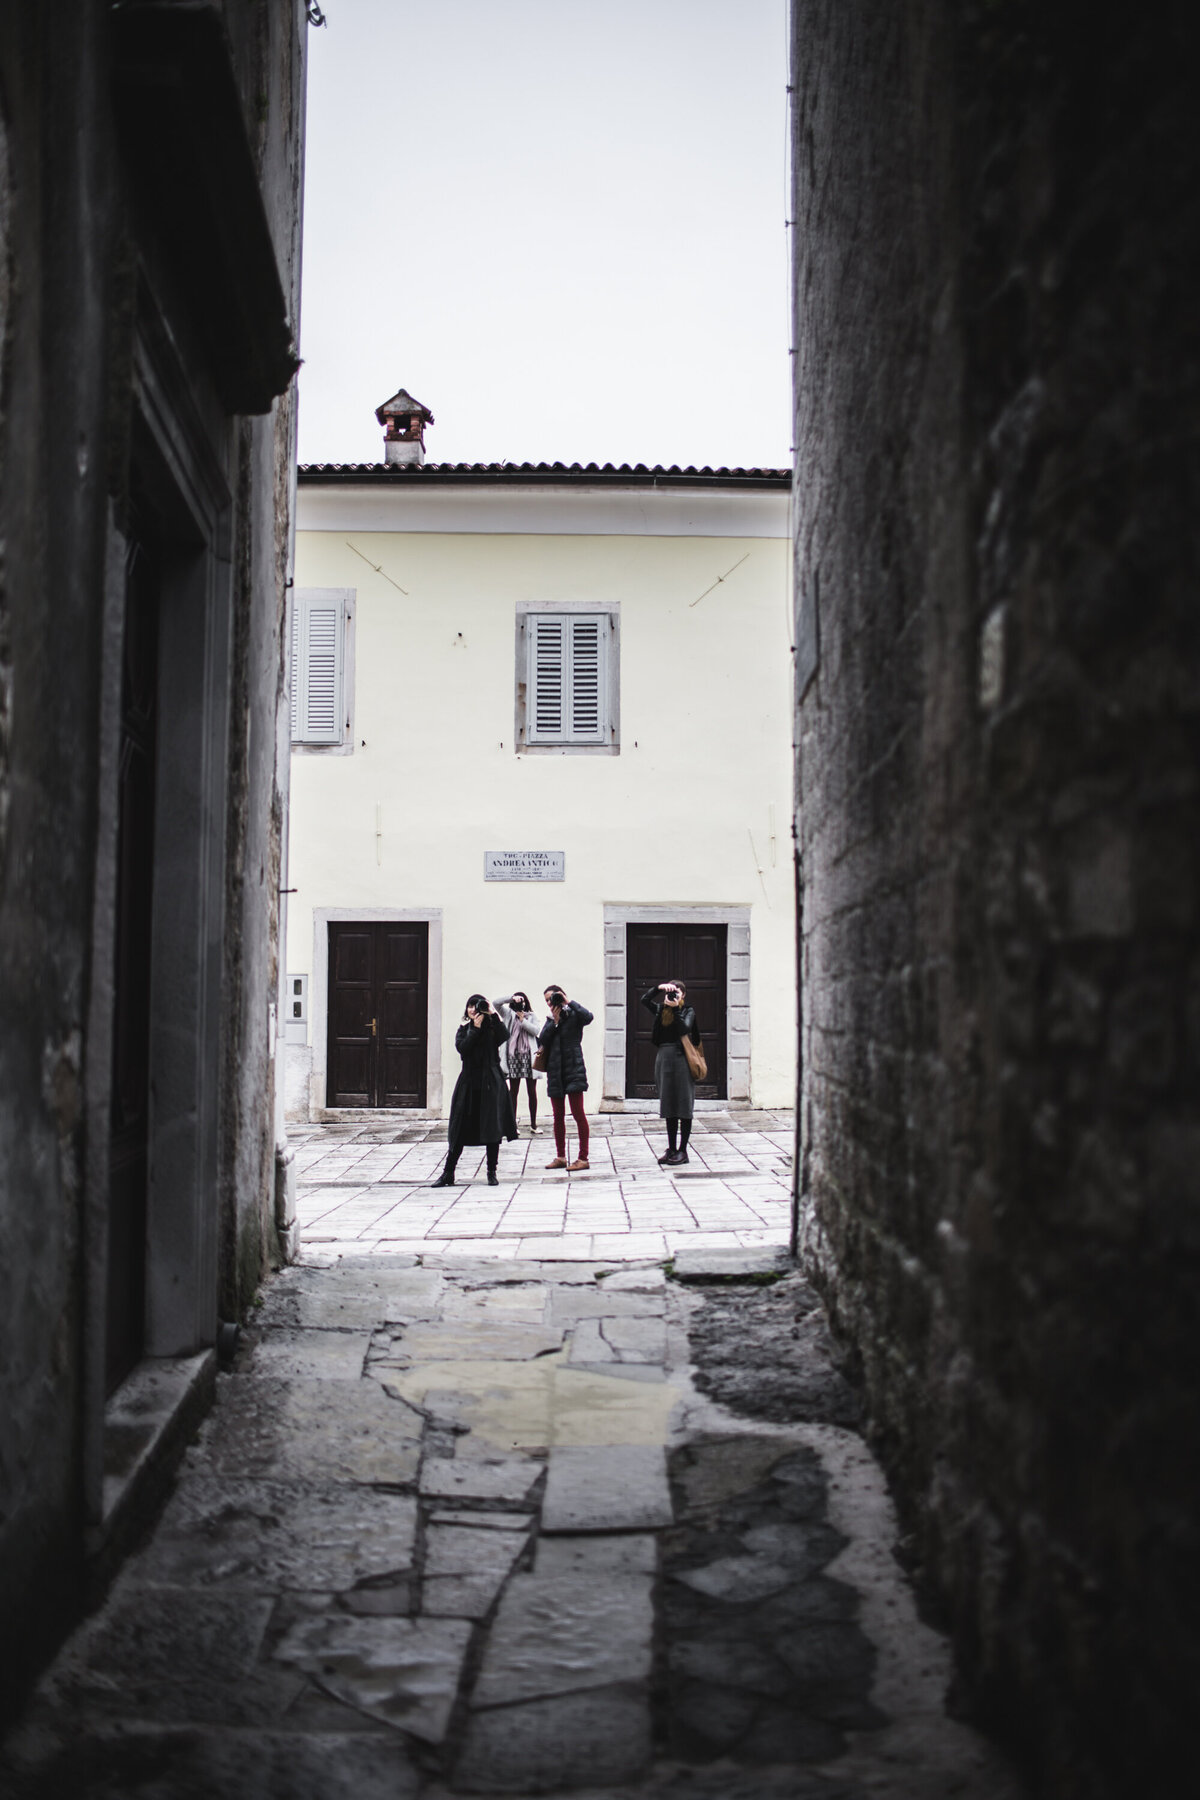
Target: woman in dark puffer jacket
<point x="566" y="1074"/>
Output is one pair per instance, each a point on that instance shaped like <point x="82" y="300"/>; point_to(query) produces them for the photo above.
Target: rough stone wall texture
<point x="68" y="253"/>
<point x="998" y="819"/>
<point x="58" y="203"/>
<point x="267" y="42"/>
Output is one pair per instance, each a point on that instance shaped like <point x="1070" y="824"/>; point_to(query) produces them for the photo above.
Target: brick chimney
<point x="404" y="420"/>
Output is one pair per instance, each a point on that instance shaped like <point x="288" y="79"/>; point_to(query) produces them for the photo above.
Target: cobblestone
<point x="418" y="1551"/>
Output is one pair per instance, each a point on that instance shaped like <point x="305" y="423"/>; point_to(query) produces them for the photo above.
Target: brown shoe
<point x="579" y="1163"/>
<point x="560" y="1162"/>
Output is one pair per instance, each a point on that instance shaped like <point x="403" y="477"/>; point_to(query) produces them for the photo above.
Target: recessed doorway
<point x="696" y="955"/>
<point x="378" y="1013"/>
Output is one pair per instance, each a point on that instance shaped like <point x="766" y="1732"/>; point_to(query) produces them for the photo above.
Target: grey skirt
<point x="673" y="1079"/>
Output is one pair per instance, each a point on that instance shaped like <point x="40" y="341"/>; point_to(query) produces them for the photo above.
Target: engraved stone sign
<point x="524" y="865"/>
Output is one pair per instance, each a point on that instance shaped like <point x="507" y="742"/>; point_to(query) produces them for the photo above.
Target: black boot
<point x="493" y="1157"/>
<point x="685" y="1132"/>
<point x="446" y="1178"/>
<point x="672" y="1128"/>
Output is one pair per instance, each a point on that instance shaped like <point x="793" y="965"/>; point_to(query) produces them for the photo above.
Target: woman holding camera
<point x="674" y="1020"/>
<point x="561" y="1037"/>
<point x="480" y="1111"/>
<point x="516" y="1058"/>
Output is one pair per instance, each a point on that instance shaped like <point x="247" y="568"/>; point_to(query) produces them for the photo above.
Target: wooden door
<point x="695" y="955"/>
<point x="129" y="1108"/>
<point x="378" y="1013"/>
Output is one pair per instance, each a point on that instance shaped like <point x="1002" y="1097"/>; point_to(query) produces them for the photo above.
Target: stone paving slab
<point x="300" y="1431"/>
<point x="263" y="1536"/>
<point x="617" y="1487"/>
<point x="568" y="1741"/>
<point x="287" y="1354"/>
<point x="560" y="1633"/>
<point x="454" y="1342"/>
<point x="465" y="1568"/>
<point x="596" y="1557"/>
<point x="205" y="1762"/>
<point x="472" y="1571"/>
<point x="404" y="1672"/>
<point x="511" y="1479"/>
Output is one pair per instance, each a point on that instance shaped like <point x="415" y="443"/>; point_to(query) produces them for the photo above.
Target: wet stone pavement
<point x="463" y="1526"/>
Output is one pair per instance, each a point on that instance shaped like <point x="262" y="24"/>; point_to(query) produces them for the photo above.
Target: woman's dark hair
<point x="478" y="1001"/>
<point x="681" y="985"/>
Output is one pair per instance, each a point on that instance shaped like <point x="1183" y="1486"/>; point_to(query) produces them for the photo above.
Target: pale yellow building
<point x="542" y="732"/>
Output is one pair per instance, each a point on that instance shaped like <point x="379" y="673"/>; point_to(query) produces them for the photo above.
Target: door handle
<point x="371" y="1026"/>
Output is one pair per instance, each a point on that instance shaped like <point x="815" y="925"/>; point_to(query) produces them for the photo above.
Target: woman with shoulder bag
<point x="560" y="1042"/>
<point x="520" y="1049"/>
<point x="480" y="1111"/>
<point x="674" y="1077"/>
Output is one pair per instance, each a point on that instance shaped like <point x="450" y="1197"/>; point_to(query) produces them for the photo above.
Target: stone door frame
<point x="736" y="919"/>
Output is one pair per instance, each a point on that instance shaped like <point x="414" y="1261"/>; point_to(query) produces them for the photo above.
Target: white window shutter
<point x="588" y="671"/>
<point x="296" y="612"/>
<point x="546" y="709"/>
<point x="318" y="654"/>
<point x="567" y="695"/>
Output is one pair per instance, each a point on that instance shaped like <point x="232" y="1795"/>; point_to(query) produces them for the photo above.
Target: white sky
<point x="559" y="223"/>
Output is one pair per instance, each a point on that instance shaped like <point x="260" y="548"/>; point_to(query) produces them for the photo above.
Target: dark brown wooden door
<point x="129" y="1114"/>
<point x="695" y="955"/>
<point x="378" y="1012"/>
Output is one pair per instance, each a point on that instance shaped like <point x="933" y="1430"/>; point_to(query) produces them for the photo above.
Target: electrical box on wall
<point x="295" y="1012"/>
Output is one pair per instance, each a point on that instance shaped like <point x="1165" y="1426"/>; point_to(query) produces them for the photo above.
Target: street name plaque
<point x="524" y="865"/>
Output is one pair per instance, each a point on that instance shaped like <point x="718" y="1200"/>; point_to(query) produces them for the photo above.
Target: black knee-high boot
<point x="531" y="1090"/>
<point x="685" y="1132"/>
<point x="493" y="1157"/>
<point x="446" y="1178"/>
<point x="672" y="1131"/>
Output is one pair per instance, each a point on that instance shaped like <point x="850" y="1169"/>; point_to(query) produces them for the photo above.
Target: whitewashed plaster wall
<point x="693" y="813"/>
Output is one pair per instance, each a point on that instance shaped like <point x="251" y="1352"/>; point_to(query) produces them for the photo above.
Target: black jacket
<point x="566" y="1072"/>
<point x="682" y="1025"/>
<point x="481" y="1111"/>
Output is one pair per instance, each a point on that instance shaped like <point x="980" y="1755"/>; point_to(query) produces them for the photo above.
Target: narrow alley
<point x="695" y="644"/>
<point x="467" y="1523"/>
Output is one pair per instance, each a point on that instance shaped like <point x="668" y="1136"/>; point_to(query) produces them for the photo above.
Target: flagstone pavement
<point x="367" y="1186"/>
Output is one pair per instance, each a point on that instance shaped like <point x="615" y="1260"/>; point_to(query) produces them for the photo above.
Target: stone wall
<point x="998" y="823"/>
<point x="52" y="532"/>
<point x="85" y="266"/>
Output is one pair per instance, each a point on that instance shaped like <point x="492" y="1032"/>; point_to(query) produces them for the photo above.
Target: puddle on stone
<point x="533" y="1406"/>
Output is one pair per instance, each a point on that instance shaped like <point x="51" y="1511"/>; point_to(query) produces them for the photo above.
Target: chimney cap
<point x="403" y="405"/>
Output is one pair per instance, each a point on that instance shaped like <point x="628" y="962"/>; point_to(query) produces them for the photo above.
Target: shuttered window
<point x="318" y="666"/>
<point x="567" y="691"/>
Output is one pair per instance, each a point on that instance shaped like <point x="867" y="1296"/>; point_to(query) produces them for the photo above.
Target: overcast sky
<point x="559" y="223"/>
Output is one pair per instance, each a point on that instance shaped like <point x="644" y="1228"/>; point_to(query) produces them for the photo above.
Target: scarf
<point x="514" y="1033"/>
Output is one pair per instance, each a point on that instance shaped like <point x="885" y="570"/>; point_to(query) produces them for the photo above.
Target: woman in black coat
<point x="566" y="1074"/>
<point x="674" y="1020"/>
<point x="480" y="1111"/>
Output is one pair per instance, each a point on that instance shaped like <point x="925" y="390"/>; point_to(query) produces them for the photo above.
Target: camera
<point x="556" y="997"/>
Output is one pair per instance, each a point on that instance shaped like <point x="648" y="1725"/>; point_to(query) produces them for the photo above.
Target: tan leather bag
<point x="696" y="1060"/>
<point x="539" y="1061"/>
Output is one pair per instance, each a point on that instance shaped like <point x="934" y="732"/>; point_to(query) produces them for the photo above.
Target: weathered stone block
<point x="614" y="1487"/>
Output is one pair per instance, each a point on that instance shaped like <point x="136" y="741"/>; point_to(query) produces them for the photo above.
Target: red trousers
<point x="560" y="1125"/>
